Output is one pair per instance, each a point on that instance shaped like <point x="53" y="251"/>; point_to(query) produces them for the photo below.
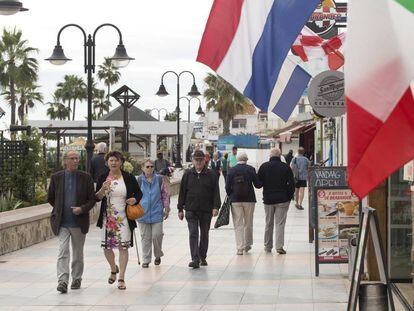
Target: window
<point x="239" y="123"/>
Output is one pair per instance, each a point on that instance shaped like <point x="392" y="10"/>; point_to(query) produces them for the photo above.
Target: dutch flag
<point x="247" y="42"/>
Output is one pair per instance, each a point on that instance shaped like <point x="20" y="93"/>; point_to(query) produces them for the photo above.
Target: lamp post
<point x="159" y="111"/>
<point x="189" y="100"/>
<point x="193" y="93"/>
<point x="120" y="59"/>
<point x="10" y="7"/>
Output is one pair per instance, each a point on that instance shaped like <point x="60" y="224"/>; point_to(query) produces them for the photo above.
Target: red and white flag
<point x="380" y="105"/>
<point x="309" y="46"/>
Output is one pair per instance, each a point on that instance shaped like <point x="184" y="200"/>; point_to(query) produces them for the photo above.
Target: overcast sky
<point x="160" y="34"/>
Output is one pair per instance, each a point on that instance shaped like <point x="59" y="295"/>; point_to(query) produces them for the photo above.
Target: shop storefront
<point x="399" y="236"/>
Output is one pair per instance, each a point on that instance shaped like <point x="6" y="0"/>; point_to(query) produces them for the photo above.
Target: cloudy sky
<point x="160" y="34"/>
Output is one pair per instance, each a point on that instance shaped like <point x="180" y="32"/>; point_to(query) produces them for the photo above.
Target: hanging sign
<point x="327" y="94"/>
<point x="327" y="15"/>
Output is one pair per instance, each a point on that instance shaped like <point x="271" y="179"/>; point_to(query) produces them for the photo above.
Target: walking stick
<point x="136" y="247"/>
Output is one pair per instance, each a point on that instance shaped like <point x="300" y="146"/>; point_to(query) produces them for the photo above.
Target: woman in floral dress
<point x="116" y="189"/>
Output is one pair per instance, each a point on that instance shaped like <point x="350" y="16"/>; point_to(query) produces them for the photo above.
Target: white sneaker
<point x="239" y="252"/>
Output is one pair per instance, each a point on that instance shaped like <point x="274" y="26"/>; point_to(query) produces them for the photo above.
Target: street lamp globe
<point x="120" y="58"/>
<point x="11" y="7"/>
<point x="200" y="111"/>
<point x="58" y="57"/>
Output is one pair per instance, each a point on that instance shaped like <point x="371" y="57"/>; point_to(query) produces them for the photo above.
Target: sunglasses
<point x="149" y="166"/>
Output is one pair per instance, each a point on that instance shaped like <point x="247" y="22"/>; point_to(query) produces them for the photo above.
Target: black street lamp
<point x="189" y="100"/>
<point x="159" y="111"/>
<point x="120" y="59"/>
<point x="193" y="93"/>
<point x="11" y="7"/>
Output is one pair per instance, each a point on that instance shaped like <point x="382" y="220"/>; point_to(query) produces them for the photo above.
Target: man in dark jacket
<point x="71" y="193"/>
<point x="278" y="190"/>
<point x="289" y="157"/>
<point x="98" y="163"/>
<point x="239" y="187"/>
<point x="200" y="198"/>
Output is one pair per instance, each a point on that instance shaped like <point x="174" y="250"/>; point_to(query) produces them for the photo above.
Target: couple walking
<point x="72" y="195"/>
<point x="277" y="181"/>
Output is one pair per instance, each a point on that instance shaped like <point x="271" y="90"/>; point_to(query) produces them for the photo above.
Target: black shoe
<point x="203" y="262"/>
<point x="157" y="261"/>
<point x="62" y="287"/>
<point x="281" y="251"/>
<point x="76" y="284"/>
<point x="300" y="207"/>
<point x="194" y="264"/>
<point x="145" y="265"/>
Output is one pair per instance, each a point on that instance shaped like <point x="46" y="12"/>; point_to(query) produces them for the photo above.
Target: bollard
<point x="373" y="297"/>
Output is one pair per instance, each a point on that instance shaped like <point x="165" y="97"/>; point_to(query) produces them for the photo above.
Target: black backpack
<point x="240" y="186"/>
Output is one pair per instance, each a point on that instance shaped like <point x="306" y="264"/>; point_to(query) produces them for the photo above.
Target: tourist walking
<point x="71" y="194"/>
<point x="156" y="204"/>
<point x="239" y="187"/>
<point x="233" y="157"/>
<point x="200" y="198"/>
<point x="225" y="165"/>
<point x="289" y="157"/>
<point x="278" y="189"/>
<point x="98" y="163"/>
<point x="300" y="165"/>
<point x="117" y="189"/>
<point x="160" y="163"/>
<point x="215" y="164"/>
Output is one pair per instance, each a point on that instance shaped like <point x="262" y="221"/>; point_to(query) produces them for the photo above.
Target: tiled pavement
<point x="258" y="281"/>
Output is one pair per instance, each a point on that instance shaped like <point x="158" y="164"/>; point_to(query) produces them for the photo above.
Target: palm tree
<point x="100" y="104"/>
<point x="16" y="67"/>
<point x="225" y="99"/>
<point x="109" y="74"/>
<point x="72" y="88"/>
<point x="57" y="110"/>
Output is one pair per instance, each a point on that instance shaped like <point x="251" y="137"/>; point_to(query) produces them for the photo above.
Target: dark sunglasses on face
<point x="149" y="166"/>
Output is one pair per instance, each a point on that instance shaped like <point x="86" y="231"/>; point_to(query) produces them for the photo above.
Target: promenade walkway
<point x="256" y="281"/>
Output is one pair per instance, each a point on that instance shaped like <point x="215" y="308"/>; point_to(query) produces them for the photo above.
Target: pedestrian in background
<point x="199" y="196"/>
<point x="98" y="164"/>
<point x="289" y="157"/>
<point x="156" y="204"/>
<point x="233" y="157"/>
<point x="278" y="189"/>
<point x="239" y="187"/>
<point x="300" y="165"/>
<point x="225" y="166"/>
<point x="71" y="194"/>
<point x="161" y="163"/>
<point x="215" y="164"/>
<point x="117" y="189"/>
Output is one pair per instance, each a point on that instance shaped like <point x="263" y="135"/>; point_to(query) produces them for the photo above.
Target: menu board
<point x="337" y="218"/>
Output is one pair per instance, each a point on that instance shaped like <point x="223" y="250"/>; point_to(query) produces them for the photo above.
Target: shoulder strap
<point x="160" y="180"/>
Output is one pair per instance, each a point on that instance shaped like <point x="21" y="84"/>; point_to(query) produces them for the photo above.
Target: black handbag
<point x="223" y="218"/>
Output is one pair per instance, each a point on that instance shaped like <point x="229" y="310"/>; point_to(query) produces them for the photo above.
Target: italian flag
<point x="379" y="68"/>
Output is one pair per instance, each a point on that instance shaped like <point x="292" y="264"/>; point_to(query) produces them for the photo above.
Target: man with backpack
<point x="278" y="189"/>
<point x="299" y="166"/>
<point x="239" y="187"/>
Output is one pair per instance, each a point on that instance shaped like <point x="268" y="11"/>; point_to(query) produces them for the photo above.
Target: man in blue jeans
<point x="200" y="198"/>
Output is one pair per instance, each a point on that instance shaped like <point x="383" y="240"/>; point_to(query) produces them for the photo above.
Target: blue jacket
<point x="151" y="200"/>
<point x="251" y="178"/>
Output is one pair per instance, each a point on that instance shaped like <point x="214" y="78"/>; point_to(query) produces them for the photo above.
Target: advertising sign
<point x="337" y="218"/>
<point x="327" y="94"/>
<point x="327" y="15"/>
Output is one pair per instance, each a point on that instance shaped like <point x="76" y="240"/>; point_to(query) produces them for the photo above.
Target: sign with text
<point x="323" y="177"/>
<point x="327" y="94"/>
<point x="327" y="16"/>
<point x="337" y="219"/>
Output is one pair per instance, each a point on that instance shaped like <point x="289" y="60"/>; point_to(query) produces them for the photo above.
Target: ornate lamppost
<point x="120" y="59"/>
<point x="193" y="93"/>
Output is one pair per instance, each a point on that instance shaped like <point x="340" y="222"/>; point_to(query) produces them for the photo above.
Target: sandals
<point x="121" y="287"/>
<point x="111" y="280"/>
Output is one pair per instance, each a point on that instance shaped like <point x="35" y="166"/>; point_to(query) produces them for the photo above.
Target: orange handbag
<point x="135" y="211"/>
